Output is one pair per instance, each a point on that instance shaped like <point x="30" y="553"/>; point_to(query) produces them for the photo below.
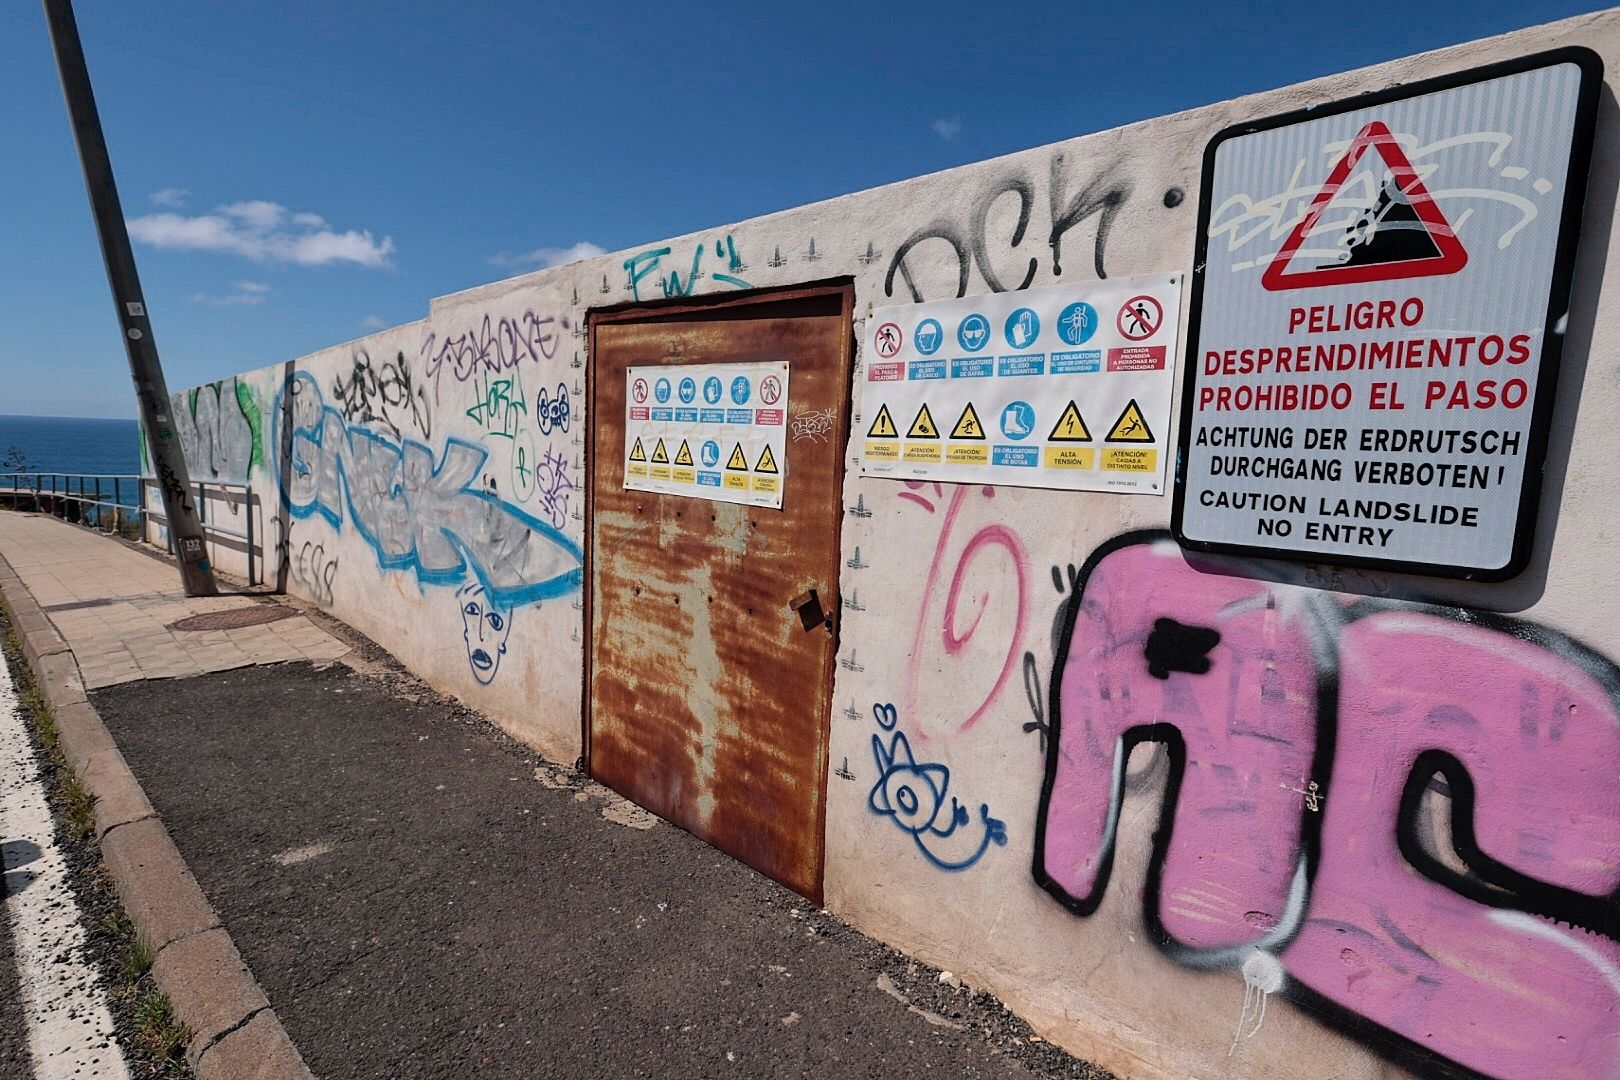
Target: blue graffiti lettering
<point x="430" y="519"/>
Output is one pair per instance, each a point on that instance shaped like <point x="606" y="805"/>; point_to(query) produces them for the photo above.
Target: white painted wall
<point x="1538" y="998"/>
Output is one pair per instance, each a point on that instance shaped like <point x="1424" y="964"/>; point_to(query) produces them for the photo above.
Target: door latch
<point x="808" y="605"/>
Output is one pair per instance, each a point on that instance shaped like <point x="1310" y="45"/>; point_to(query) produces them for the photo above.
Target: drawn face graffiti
<point x="485" y="628"/>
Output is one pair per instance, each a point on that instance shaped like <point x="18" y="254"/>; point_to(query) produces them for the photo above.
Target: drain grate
<point x="235" y="618"/>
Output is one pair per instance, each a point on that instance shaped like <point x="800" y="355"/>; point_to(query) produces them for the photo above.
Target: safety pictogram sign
<point x="676" y="443"/>
<point x="1071" y="426"/>
<point x="967" y="425"/>
<point x="1131" y="426"/>
<point x="1397" y="232"/>
<point x="888" y="339"/>
<point x="1140" y="317"/>
<point x="1381" y="293"/>
<point x="883" y="426"/>
<point x="993" y="392"/>
<point x="923" y="427"/>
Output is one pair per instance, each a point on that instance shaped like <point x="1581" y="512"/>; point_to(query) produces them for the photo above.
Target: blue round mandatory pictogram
<point x="661" y="390"/>
<point x="1023" y="327"/>
<point x="1076" y="323"/>
<point x="711" y="390"/>
<point x="928" y="336"/>
<point x="740" y="390"/>
<point x="973" y="333"/>
<point x="688" y="390"/>
<point x="710" y="453"/>
<point x="1018" y="420"/>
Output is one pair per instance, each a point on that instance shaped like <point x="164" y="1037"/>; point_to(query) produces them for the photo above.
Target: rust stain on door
<point x="712" y="652"/>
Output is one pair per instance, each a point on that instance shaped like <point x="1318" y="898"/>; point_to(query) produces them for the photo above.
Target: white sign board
<point x="1061" y="387"/>
<point x="708" y="431"/>
<point x="1378" y="309"/>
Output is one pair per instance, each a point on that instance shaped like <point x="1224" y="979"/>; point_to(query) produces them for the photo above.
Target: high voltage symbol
<point x="1071" y="426"/>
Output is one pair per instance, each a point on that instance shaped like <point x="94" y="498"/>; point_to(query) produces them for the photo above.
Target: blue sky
<point x="302" y="172"/>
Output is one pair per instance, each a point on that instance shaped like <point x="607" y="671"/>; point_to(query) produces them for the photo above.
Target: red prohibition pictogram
<point x="888" y="339"/>
<point x="1140" y="317"/>
<point x="770" y="390"/>
<point x="638" y="390"/>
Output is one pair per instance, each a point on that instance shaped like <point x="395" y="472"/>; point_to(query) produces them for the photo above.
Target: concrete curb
<point x="238" y="1034"/>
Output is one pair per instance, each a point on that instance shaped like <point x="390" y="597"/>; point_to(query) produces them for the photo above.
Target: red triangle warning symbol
<point x="1402" y="234"/>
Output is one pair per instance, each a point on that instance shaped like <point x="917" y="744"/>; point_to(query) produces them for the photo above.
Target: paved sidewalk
<point x="115" y="605"/>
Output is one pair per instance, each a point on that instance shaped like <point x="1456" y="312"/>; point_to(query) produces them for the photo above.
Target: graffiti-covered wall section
<point x="1191" y="816"/>
<point x="425" y="493"/>
<point x="424" y="485"/>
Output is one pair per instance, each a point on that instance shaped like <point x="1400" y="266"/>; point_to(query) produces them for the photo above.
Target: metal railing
<point x="82" y="498"/>
<point x="210" y="530"/>
<point x="67" y="495"/>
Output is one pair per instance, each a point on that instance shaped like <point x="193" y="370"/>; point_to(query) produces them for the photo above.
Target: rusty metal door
<point x="713" y="625"/>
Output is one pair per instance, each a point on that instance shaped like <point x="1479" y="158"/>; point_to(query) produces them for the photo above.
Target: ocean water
<point x="70" y="444"/>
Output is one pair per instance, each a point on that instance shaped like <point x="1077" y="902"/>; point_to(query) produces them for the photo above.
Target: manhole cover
<point x="235" y="618"/>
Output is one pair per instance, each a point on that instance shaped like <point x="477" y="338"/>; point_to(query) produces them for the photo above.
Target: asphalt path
<point x="416" y="903"/>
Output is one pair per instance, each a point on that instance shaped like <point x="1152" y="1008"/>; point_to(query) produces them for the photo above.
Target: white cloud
<point x="171" y="196"/>
<point x="263" y="231"/>
<point x="948" y="127"/>
<point x="540" y="258"/>
<point x="255" y="213"/>
<point x="242" y="294"/>
<point x="373" y="322"/>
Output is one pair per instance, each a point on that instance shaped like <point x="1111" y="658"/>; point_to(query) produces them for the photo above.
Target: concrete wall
<point x="959" y="608"/>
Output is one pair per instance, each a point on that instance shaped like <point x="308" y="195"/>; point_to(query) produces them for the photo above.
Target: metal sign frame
<point x="1558" y="307"/>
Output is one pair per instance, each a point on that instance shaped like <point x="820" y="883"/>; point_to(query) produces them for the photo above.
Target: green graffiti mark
<point x="250" y="410"/>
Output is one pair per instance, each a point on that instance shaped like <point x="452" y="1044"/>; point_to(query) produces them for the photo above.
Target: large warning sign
<point x="1021" y="373"/>
<point x="1381" y="291"/>
<point x="716" y="419"/>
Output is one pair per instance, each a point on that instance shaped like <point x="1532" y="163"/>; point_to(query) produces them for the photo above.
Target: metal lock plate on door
<point x="808" y="605"/>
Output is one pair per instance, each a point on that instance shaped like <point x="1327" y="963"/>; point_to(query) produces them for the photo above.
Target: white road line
<point x="70" y="1032"/>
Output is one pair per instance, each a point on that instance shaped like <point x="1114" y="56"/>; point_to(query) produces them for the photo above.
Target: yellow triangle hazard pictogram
<point x="883" y="427"/>
<point x="1131" y="426"/>
<point x="766" y="462"/>
<point x="637" y="453"/>
<point x="1071" y="426"/>
<point x="660" y="455"/>
<point x="967" y="425"/>
<point x="923" y="426"/>
<point x="739" y="460"/>
<point x="683" y="456"/>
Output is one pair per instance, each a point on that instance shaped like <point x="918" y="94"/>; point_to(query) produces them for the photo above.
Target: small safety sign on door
<point x="708" y="431"/>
